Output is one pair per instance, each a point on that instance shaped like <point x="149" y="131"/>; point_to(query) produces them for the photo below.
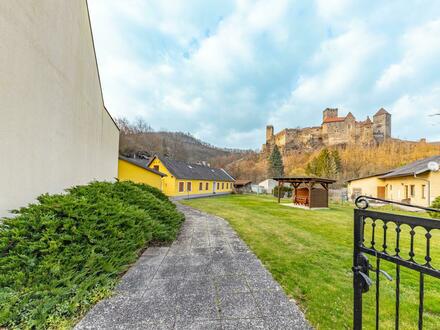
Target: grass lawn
<point x="310" y="254"/>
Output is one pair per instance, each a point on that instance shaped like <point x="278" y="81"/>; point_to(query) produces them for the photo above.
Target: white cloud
<point x="224" y="70"/>
<point x="177" y="100"/>
<point x="339" y="63"/>
<point x="421" y="52"/>
<point x="412" y="112"/>
<point x="332" y="9"/>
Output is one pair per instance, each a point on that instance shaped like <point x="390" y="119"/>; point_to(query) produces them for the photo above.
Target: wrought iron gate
<point x="369" y="246"/>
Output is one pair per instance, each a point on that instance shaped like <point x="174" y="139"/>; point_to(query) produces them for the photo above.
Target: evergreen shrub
<point x="61" y="255"/>
<point x="435" y="205"/>
<point x="284" y="190"/>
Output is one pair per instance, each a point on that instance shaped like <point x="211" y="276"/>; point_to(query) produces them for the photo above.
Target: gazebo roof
<point x="303" y="179"/>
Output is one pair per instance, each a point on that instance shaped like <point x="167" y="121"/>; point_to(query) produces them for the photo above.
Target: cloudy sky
<point x="222" y="69"/>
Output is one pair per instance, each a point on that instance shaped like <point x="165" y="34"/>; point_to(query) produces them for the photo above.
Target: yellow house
<point x="417" y="183"/>
<point x="136" y="170"/>
<point x="184" y="180"/>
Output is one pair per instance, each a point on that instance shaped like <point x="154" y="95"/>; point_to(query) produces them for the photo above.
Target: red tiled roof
<point x="333" y="119"/>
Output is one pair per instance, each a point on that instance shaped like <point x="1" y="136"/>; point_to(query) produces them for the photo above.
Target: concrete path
<point x="207" y="279"/>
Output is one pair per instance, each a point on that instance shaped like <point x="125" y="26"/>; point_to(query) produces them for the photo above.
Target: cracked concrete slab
<point x="207" y="279"/>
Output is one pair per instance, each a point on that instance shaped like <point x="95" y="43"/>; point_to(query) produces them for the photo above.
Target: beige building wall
<point x="434" y="178"/>
<point x="54" y="129"/>
<point x="396" y="188"/>
<point x="422" y="193"/>
<point x="365" y="186"/>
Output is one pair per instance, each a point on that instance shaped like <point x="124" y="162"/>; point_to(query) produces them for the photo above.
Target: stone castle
<point x="334" y="131"/>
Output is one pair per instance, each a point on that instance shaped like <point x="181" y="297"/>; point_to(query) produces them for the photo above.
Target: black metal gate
<point x="390" y="224"/>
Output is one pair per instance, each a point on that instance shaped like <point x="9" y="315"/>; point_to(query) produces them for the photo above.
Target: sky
<point x="223" y="70"/>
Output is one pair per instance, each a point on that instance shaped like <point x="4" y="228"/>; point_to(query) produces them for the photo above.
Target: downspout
<point x="429" y="187"/>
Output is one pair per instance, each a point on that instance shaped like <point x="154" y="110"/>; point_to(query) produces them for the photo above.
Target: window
<point x="218" y="185"/>
<point x="188" y="186"/>
<point x="391" y="187"/>
<point x="156" y="167"/>
<point x="423" y="191"/>
<point x="227" y="185"/>
<point x="223" y="185"/>
<point x="207" y="186"/>
<point x="201" y="186"/>
<point x="181" y="186"/>
<point x="413" y="190"/>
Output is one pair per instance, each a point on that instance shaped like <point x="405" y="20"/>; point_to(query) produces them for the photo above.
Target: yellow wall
<point x="130" y="172"/>
<point x="367" y="186"/>
<point x="434" y="177"/>
<point x="395" y="187"/>
<point x="170" y="184"/>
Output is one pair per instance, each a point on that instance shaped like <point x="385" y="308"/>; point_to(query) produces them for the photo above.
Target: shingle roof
<point x="242" y="182"/>
<point x="368" y="176"/>
<point x="183" y="170"/>
<point x="141" y="163"/>
<point x="416" y="167"/>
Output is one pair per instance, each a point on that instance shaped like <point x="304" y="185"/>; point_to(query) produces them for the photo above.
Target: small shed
<point x="309" y="192"/>
<point x="268" y="185"/>
<point x="243" y="186"/>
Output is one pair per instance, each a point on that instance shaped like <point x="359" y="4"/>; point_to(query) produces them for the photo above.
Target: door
<point x="381" y="192"/>
<point x="213" y="187"/>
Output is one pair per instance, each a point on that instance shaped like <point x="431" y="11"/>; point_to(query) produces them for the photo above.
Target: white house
<point x="54" y="129"/>
<point x="268" y="185"/>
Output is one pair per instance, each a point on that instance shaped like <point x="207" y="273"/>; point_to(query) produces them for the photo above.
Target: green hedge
<point x="435" y="205"/>
<point x="60" y="256"/>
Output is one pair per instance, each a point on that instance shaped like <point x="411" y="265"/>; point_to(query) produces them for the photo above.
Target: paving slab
<point x="207" y="279"/>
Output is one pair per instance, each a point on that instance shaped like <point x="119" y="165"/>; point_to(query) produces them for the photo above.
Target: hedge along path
<point x="66" y="252"/>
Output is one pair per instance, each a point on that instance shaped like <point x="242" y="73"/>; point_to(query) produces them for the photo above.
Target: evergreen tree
<point x="276" y="166"/>
<point x="326" y="164"/>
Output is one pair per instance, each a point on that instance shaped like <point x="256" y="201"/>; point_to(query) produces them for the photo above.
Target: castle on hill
<point x="334" y="131"/>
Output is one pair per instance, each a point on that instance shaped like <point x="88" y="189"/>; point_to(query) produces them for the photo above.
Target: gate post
<point x="357" y="280"/>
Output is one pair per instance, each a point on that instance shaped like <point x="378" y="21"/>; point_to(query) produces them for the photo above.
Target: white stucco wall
<point x="54" y="129"/>
<point x="268" y="185"/>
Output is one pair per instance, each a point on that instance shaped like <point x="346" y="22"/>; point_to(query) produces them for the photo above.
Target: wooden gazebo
<point x="309" y="192"/>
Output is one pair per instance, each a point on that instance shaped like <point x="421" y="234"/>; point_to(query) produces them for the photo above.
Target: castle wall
<point x="333" y="132"/>
<point x="364" y="134"/>
<point x="336" y="133"/>
<point x="382" y="127"/>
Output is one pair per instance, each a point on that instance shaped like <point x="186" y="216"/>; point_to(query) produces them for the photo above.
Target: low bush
<point x="61" y="255"/>
<point x="435" y="205"/>
<point x="284" y="191"/>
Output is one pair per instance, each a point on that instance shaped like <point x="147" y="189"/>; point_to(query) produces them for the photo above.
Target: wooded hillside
<point x="352" y="161"/>
<point x="140" y="139"/>
<point x="340" y="163"/>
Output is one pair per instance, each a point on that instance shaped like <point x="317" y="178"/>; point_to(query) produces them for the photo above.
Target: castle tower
<point x="329" y="113"/>
<point x="269" y="133"/>
<point x="382" y="125"/>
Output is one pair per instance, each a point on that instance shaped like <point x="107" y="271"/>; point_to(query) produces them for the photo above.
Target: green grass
<point x="310" y="254"/>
